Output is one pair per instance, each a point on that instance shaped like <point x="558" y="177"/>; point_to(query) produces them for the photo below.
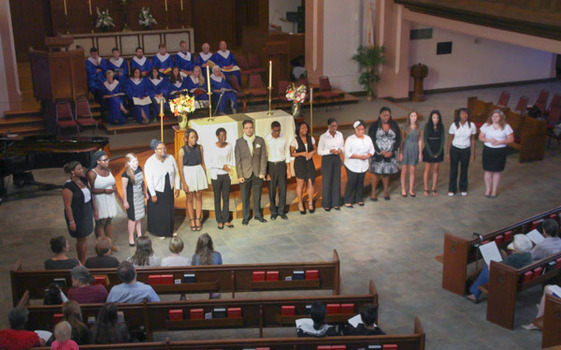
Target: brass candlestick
<point x="210" y="118"/>
<point x="270" y="113"/>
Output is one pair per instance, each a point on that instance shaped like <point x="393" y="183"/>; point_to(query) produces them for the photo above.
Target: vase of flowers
<point x="104" y="21"/>
<point x="181" y="107"/>
<point x="145" y="18"/>
<point x="296" y="95"/>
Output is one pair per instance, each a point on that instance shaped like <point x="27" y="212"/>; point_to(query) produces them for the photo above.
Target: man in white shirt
<point x="278" y="150"/>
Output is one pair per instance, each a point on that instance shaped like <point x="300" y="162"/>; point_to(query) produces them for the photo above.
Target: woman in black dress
<point x="433" y="150"/>
<point x="303" y="148"/>
<point x="79" y="210"/>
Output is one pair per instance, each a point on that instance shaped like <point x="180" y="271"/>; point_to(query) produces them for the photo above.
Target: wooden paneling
<point x="31" y="22"/>
<point x="213" y="21"/>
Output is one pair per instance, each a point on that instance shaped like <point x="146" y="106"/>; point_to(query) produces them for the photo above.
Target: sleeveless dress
<point x="304" y="169"/>
<point x="434" y="141"/>
<point x="82" y="209"/>
<point x="135" y="195"/>
<point x="411" y="148"/>
<point x="195" y="175"/>
<point x="385" y="141"/>
<point x="105" y="203"/>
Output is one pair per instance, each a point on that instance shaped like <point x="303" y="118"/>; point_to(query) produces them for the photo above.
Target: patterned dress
<point x="384" y="142"/>
<point x="135" y="195"/>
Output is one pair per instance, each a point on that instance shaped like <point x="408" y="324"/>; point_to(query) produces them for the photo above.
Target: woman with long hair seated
<point x="107" y="330"/>
<point x="73" y="315"/>
<point x="144" y="254"/>
<point x="204" y="252"/>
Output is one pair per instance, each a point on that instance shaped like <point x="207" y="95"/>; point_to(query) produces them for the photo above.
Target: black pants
<point x="459" y="155"/>
<point x="221" y="188"/>
<point x="354" y="187"/>
<point x="277" y="172"/>
<point x="331" y="181"/>
<point x="253" y="183"/>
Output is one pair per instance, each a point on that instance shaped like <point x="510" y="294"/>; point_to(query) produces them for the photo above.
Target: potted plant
<point x="145" y="18"/>
<point x="104" y="21"/>
<point x="369" y="57"/>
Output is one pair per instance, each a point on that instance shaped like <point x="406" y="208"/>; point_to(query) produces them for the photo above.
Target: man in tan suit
<point x="251" y="165"/>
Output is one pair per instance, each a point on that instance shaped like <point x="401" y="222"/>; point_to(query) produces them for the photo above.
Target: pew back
<point x="551" y="335"/>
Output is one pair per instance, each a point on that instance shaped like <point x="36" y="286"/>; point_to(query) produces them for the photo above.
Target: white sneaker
<point x="450" y="194"/>
<point x="464" y="194"/>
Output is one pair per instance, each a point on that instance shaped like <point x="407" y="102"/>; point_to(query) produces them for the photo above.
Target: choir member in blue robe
<point x="113" y="99"/>
<point x="176" y="84"/>
<point x="118" y="65"/>
<point x="163" y="61"/>
<point x="197" y="85"/>
<point x="141" y="62"/>
<point x="203" y="57"/>
<point x="219" y="87"/>
<point x="184" y="60"/>
<point x="95" y="70"/>
<point x="225" y="60"/>
<point x="158" y="89"/>
<point x="138" y="87"/>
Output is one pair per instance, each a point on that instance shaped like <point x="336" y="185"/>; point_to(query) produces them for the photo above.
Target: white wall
<point x="477" y="61"/>
<point x="278" y="9"/>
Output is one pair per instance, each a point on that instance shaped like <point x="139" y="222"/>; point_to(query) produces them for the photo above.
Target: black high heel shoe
<point x="302" y="211"/>
<point x="311" y="208"/>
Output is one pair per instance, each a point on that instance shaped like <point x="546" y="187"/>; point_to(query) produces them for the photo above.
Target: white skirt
<point x="195" y="177"/>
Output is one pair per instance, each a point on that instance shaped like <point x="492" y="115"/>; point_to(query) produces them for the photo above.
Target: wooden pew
<point x="253" y="313"/>
<point x="414" y="341"/>
<point x="459" y="252"/>
<point x="551" y="335"/>
<point x="505" y="282"/>
<point x="215" y="278"/>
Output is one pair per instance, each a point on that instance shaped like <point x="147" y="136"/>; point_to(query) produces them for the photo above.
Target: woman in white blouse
<point x="220" y="165"/>
<point x="461" y="147"/>
<point x="496" y="134"/>
<point x="358" y="150"/>
<point x="330" y="148"/>
<point x="161" y="175"/>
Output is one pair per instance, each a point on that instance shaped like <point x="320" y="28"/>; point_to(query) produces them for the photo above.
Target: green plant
<point x="104" y="21"/>
<point x="145" y="18"/>
<point x="369" y="58"/>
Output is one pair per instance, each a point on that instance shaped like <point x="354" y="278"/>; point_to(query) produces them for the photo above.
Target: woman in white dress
<point x="193" y="177"/>
<point x="104" y="191"/>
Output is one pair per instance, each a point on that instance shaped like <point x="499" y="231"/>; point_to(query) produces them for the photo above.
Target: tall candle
<point x="166" y="4"/>
<point x="270" y="74"/>
<point x="65" y="10"/>
<point x="181" y="5"/>
<point x="90" y="5"/>
<point x="208" y="78"/>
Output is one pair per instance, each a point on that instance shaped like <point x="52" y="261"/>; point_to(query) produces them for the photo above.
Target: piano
<point x="18" y="157"/>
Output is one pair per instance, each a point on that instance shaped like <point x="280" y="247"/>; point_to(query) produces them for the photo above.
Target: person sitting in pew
<point x="224" y="58"/>
<point x="367" y="327"/>
<point x="103" y="260"/>
<point x="63" y="331"/>
<point x="203" y="59"/>
<point x="107" y="329"/>
<point x="118" y="65"/>
<point x="184" y="60"/>
<point x="144" y="254"/>
<point x="53" y="295"/>
<point x="130" y="291"/>
<point x="315" y="326"/>
<point x="158" y="89"/>
<point x="537" y="323"/>
<point x="196" y="85"/>
<point x="520" y="258"/>
<point x="176" y="259"/>
<point x="16" y="337"/>
<point x="141" y="62"/>
<point x="95" y="72"/>
<point x="82" y="290"/>
<point x="59" y="246"/>
<point x="551" y="244"/>
<point x="176" y="84"/>
<point x="223" y="94"/>
<point x="163" y="60"/>
<point x="205" y="253"/>
<point x="113" y="93"/>
<point x="73" y="315"/>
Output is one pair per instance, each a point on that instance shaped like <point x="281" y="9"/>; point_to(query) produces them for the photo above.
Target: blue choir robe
<point x="193" y="86"/>
<point x="142" y="63"/>
<point x="94" y="77"/>
<point x="157" y="87"/>
<point x="120" y="67"/>
<point x="175" y="88"/>
<point x="184" y="61"/>
<point x="203" y="58"/>
<point x="163" y="62"/>
<point x="113" y="104"/>
<point x="228" y="96"/>
<point x="226" y="58"/>
<point x="138" y="88"/>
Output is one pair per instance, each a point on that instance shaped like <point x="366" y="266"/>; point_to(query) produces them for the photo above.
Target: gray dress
<point x="411" y="148"/>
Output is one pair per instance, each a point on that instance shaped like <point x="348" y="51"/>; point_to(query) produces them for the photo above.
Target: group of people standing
<point x="118" y="86"/>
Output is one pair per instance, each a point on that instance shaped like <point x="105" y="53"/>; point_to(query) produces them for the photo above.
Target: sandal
<point x="434" y="193"/>
<point x="427" y="192"/>
<point x="200" y="225"/>
<point x="193" y="227"/>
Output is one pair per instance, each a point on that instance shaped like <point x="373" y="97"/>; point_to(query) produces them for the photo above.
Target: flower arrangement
<point x="145" y="18"/>
<point x="104" y="21"/>
<point x="296" y="94"/>
<point x="181" y="106"/>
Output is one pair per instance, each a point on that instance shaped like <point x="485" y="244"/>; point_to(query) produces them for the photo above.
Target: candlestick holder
<point x="210" y="118"/>
<point x="270" y="112"/>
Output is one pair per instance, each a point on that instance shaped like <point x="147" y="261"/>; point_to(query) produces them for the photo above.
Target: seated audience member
<point x="196" y="84"/>
<point x="107" y="330"/>
<point x="141" y="62"/>
<point x="520" y="258"/>
<point x="63" y="331"/>
<point x="73" y="315"/>
<point x="203" y="59"/>
<point x="112" y="92"/>
<point x="204" y="252"/>
<point x="537" y="323"/>
<point x="184" y="60"/>
<point x="17" y="338"/>
<point x="95" y="70"/>
<point x="53" y="295"/>
<point x="224" y="58"/>
<point x="59" y="246"/>
<point x="138" y="87"/>
<point x="163" y="60"/>
<point x="176" y="259"/>
<point x="176" y="84"/>
<point x="551" y="244"/>
<point x="82" y="290"/>
<point x="317" y="328"/>
<point x="222" y="93"/>
<point x="118" y="65"/>
<point x="130" y="291"/>
<point x="368" y="325"/>
<point x="103" y="259"/>
<point x="157" y="90"/>
<point x="144" y="254"/>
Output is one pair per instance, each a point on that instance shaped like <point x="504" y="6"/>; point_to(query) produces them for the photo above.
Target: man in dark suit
<point x="251" y="165"/>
